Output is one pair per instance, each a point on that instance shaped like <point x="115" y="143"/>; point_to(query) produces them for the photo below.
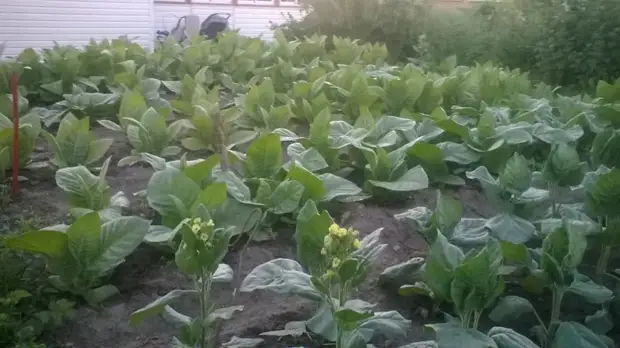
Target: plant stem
<point x="341" y="300"/>
<point x="465" y="319"/>
<point x="203" y="310"/>
<point x="552" y="197"/>
<point x="601" y="265"/>
<point x="205" y="295"/>
<point x="477" y="315"/>
<point x="558" y="295"/>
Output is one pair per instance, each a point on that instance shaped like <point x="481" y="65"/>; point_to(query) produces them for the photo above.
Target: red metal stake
<point x="15" y="183"/>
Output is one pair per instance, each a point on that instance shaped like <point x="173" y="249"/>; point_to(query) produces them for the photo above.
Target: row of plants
<point x="304" y="126"/>
<point x="569" y="43"/>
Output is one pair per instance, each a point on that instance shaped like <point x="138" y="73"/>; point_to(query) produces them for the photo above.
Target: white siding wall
<point x="250" y="20"/>
<point x="37" y="23"/>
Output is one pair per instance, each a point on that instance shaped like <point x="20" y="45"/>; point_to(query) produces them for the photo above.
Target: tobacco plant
<point x="283" y="190"/>
<point x="29" y="130"/>
<point x="89" y="193"/>
<point x="333" y="263"/>
<point x="81" y="255"/>
<point x="199" y="256"/>
<point x="147" y="132"/>
<point x="74" y="144"/>
<point x="176" y="192"/>
<point x="555" y="267"/>
<point x="210" y="127"/>
<point x="602" y="194"/>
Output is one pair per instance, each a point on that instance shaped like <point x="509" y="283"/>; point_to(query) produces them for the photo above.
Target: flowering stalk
<point x="338" y="246"/>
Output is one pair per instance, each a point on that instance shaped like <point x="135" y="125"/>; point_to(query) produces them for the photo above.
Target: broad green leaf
<point x="312" y="227"/>
<point x="601" y="322"/>
<point x="237" y="342"/>
<point x="561" y="254"/>
<point x="213" y="195"/>
<point x="132" y="106"/>
<point x="337" y="187"/>
<point x="52" y="244"/>
<point x="590" y="291"/>
<point x="448" y="213"/>
<point x="157" y="306"/>
<point x="282" y="276"/>
<point x="236" y="187"/>
<point x="516" y="176"/>
<point x="390" y="324"/>
<point x="571" y="334"/>
<point x="85" y="189"/>
<point x="313" y="185"/>
<point x="286" y="197"/>
<point x="119" y="238"/>
<point x="511" y="228"/>
<point x="101" y="294"/>
<point x="563" y="166"/>
<point x="403" y="273"/>
<point x="223" y="274"/>
<point x="222" y="314"/>
<point x="414" y="179"/>
<point x="477" y="282"/>
<point x="83" y="239"/>
<point x="264" y="157"/>
<point x="97" y="149"/>
<point x="453" y="336"/>
<point x="510" y="308"/>
<point x="166" y="188"/>
<point x="293" y="328"/>
<point x="458" y="153"/>
<point x="508" y="338"/>
<point x="603" y="195"/>
<point x="443" y="259"/>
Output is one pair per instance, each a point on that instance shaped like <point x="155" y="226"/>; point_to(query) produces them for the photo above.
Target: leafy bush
<point x="390" y="22"/>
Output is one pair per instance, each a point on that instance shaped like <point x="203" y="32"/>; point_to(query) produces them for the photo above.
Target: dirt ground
<point x="149" y="273"/>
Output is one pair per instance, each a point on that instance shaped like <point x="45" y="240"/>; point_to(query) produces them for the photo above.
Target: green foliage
<point x="368" y="21"/>
<point x="146" y="128"/>
<point x="75" y="145"/>
<point x="28" y="308"/>
<point x="29" y="130"/>
<point x="333" y="264"/>
<point x="199" y="255"/>
<point x="88" y="193"/>
<point x="81" y="254"/>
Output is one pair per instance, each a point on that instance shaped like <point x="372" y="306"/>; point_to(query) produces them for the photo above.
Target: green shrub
<point x="579" y="40"/>
<point x="390" y="22"/>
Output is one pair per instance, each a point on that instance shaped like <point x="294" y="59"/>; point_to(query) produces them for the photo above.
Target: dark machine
<point x="209" y="28"/>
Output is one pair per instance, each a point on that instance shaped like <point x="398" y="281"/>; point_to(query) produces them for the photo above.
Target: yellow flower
<point x="335" y="262"/>
<point x="342" y="232"/>
<point x="330" y="273"/>
<point x="210" y="223"/>
<point x="356" y="243"/>
<point x="204" y="237"/>
<point x="197" y="221"/>
<point x="333" y="229"/>
<point x="196" y="228"/>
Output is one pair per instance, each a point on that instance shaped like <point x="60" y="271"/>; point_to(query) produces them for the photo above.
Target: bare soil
<point x="149" y="273"/>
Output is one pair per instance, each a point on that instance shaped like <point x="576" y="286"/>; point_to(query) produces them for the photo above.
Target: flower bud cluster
<point x="338" y="244"/>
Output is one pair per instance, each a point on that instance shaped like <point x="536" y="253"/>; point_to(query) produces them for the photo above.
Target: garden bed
<point x="150" y="273"/>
